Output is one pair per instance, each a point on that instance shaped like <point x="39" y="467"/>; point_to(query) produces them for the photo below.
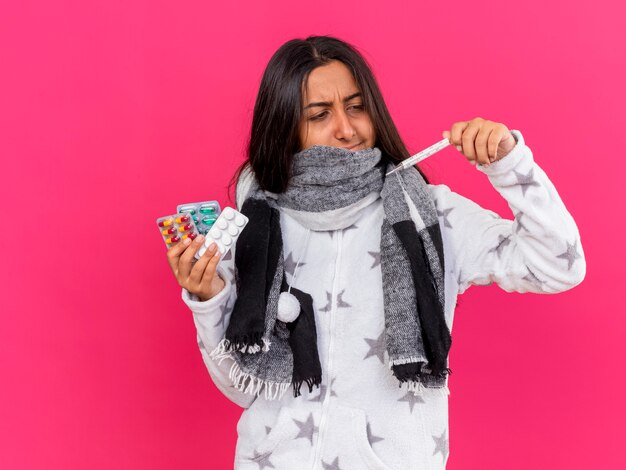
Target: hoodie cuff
<point x="510" y="160"/>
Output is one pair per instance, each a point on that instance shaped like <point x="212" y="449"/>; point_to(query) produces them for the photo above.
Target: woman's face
<point x="333" y="112"/>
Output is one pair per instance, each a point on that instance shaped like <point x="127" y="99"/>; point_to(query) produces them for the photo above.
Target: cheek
<point x="368" y="130"/>
<point x="315" y="135"/>
<point x="372" y="132"/>
<point x="306" y="133"/>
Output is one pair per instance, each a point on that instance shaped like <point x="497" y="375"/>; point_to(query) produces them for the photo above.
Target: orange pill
<point x="191" y="235"/>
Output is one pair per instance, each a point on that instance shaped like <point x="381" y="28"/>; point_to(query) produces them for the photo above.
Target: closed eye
<point x="319" y="117"/>
<point x="322" y="115"/>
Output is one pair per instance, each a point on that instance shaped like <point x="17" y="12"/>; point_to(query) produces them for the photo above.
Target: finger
<point x="468" y="138"/>
<point x="447" y="135"/>
<point x="457" y="131"/>
<point x="173" y="255"/>
<point x="185" y="263"/>
<point x="494" y="141"/>
<point x="480" y="144"/>
<point x="211" y="267"/>
<point x="200" y="267"/>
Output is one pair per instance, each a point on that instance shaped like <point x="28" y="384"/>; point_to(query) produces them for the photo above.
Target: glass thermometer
<point x="418" y="157"/>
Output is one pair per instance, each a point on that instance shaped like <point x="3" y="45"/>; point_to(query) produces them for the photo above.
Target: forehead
<point x="328" y="81"/>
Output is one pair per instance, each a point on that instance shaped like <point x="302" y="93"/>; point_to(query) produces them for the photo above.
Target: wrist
<point x="510" y="160"/>
<point x="217" y="286"/>
<point x="513" y="143"/>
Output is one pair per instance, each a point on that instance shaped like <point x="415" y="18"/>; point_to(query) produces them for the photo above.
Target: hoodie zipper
<point x="329" y="369"/>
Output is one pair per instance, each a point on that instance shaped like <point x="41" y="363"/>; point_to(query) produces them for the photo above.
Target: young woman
<point x="342" y="287"/>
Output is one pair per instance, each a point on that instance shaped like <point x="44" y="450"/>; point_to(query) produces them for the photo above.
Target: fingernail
<point x="186" y="241"/>
<point x="459" y="148"/>
<point x="200" y="238"/>
<point x="212" y="246"/>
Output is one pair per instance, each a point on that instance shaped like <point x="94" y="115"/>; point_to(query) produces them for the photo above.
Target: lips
<point x="353" y="147"/>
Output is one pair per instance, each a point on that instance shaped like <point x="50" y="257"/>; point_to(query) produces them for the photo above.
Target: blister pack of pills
<point x="204" y="214"/>
<point x="224" y="231"/>
<point x="177" y="227"/>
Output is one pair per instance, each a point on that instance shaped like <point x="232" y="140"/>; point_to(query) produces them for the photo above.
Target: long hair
<point x="274" y="137"/>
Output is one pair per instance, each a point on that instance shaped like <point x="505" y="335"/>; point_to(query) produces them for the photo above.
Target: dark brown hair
<point x="274" y="137"/>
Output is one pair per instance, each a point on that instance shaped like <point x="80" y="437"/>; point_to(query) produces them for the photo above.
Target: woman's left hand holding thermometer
<point x="481" y="141"/>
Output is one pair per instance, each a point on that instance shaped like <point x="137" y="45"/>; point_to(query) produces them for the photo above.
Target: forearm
<point x="211" y="319"/>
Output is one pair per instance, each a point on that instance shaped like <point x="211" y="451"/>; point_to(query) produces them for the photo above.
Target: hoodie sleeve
<point x="538" y="251"/>
<point x="211" y="319"/>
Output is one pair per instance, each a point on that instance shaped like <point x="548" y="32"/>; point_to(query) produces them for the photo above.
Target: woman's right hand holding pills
<point x="198" y="277"/>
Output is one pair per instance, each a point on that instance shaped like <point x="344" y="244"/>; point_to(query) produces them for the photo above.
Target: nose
<point x="344" y="130"/>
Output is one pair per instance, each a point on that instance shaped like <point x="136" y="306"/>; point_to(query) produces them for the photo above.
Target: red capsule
<point x="184" y="228"/>
<point x="171" y="240"/>
<point x="183" y="219"/>
<point x="166" y="222"/>
<point x="191" y="235"/>
<point x="168" y="231"/>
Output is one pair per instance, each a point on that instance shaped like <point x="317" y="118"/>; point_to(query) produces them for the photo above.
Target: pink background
<point x="112" y="113"/>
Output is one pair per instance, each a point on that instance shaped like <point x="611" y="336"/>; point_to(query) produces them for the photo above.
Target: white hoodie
<point x="360" y="418"/>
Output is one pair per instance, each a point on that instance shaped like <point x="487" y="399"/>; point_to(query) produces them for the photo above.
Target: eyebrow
<point x="328" y="103"/>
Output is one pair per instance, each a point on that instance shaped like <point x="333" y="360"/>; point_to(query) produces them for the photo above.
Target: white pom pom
<point x="288" y="307"/>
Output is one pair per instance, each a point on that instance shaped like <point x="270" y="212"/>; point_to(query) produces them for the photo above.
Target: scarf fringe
<point x="254" y="385"/>
<point x="221" y="352"/>
<point x="244" y="382"/>
<point x="226" y="345"/>
<point x="406" y="360"/>
<point x="311" y="382"/>
<point x="224" y="350"/>
<point x="247" y="383"/>
<point x="425" y="369"/>
<point x="418" y="389"/>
